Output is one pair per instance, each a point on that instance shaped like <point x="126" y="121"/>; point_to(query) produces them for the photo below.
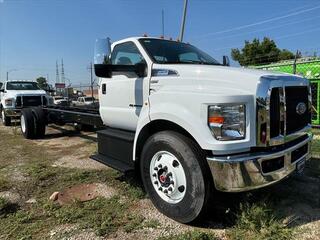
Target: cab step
<point x="115" y="148"/>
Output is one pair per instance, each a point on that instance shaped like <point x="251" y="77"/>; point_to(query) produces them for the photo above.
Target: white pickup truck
<point x="189" y="125"/>
<point x="17" y="94"/>
<point x="84" y="101"/>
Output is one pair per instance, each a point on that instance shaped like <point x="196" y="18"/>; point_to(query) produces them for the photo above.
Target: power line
<point x="277" y="38"/>
<point x="261" y="22"/>
<point x="268" y="28"/>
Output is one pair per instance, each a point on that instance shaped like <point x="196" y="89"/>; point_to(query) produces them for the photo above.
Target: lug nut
<point x="165" y="191"/>
<point x="170" y="189"/>
<point x="165" y="168"/>
<point x="169" y="174"/>
<point x="154" y="175"/>
<point x="181" y="188"/>
<point x="159" y="166"/>
<point x="156" y="169"/>
<point x="160" y="188"/>
<point x="175" y="163"/>
<point x="172" y="182"/>
<point x="156" y="182"/>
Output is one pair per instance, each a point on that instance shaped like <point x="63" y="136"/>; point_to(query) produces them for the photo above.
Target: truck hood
<point x="216" y="79"/>
<point x="14" y="93"/>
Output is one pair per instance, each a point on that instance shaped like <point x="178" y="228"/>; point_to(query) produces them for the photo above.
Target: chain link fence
<point x="308" y="68"/>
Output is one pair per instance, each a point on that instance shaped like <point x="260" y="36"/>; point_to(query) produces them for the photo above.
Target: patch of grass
<point x="257" y="222"/>
<point x="152" y="223"/>
<point x="41" y="172"/>
<point x="4" y="184"/>
<point x="104" y="216"/>
<point x="191" y="235"/>
<point x="135" y="222"/>
<point x="131" y="186"/>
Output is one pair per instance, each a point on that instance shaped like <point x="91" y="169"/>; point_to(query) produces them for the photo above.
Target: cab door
<point x="122" y="94"/>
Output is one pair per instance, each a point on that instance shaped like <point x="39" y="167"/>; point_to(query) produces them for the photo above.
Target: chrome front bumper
<point x="244" y="172"/>
<point x="12" y="112"/>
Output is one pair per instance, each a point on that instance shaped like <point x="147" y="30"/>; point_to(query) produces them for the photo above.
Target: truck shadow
<point x="295" y="200"/>
<point x="63" y="132"/>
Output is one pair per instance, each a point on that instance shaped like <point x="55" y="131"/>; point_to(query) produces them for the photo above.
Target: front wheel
<point x="175" y="175"/>
<point x="6" y="121"/>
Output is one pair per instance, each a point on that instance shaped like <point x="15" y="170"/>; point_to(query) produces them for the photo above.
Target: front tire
<point x="175" y="175"/>
<point x="6" y="121"/>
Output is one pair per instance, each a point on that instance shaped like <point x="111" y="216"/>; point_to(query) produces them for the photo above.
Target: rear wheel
<point x="27" y="123"/>
<point x="175" y="176"/>
<point x="6" y="121"/>
<point x="40" y="122"/>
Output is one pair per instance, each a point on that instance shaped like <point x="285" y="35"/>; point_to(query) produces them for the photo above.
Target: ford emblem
<point x="301" y="108"/>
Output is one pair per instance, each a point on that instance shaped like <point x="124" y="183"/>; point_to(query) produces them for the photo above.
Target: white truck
<point x="189" y="125"/>
<point x="18" y="94"/>
<point x="84" y="101"/>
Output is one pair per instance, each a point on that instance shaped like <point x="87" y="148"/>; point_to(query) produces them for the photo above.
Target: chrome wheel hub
<point x="168" y="177"/>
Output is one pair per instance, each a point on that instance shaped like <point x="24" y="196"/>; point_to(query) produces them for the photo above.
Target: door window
<point x="126" y="54"/>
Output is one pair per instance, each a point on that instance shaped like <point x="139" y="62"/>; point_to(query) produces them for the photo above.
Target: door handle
<point x="104" y="88"/>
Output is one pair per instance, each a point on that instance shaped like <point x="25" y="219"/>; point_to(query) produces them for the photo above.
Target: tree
<point x="42" y="82"/>
<point x="256" y="52"/>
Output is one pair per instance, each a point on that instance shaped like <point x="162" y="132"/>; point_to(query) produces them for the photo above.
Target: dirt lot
<point x="30" y="171"/>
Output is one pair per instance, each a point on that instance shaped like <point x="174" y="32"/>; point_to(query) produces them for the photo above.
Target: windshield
<point x="171" y="52"/>
<point x="22" y="86"/>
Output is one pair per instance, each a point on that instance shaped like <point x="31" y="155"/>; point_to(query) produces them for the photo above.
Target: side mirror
<point x="226" y="61"/>
<point x="102" y="64"/>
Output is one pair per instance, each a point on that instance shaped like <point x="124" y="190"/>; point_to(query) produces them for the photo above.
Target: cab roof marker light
<point x="164" y="73"/>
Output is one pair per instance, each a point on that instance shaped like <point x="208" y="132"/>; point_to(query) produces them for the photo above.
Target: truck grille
<point x="282" y="111"/>
<point x="274" y="113"/>
<point x="30" y="101"/>
<point x="295" y="96"/>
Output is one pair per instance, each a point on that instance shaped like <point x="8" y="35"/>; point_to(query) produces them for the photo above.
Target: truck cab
<point x="18" y="94"/>
<point x="191" y="125"/>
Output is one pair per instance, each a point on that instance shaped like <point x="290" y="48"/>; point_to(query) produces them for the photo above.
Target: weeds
<point x="4" y="184"/>
<point x="257" y="222"/>
<point x="103" y="215"/>
<point x="191" y="235"/>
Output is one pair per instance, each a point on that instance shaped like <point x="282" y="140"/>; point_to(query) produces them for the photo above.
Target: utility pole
<point x="63" y="80"/>
<point x="162" y="14"/>
<point x="9" y="71"/>
<point x="91" y="79"/>
<point x="295" y="62"/>
<point x="183" y="22"/>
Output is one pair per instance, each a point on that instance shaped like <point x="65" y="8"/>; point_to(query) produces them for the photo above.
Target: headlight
<point x="9" y="102"/>
<point x="227" y="121"/>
